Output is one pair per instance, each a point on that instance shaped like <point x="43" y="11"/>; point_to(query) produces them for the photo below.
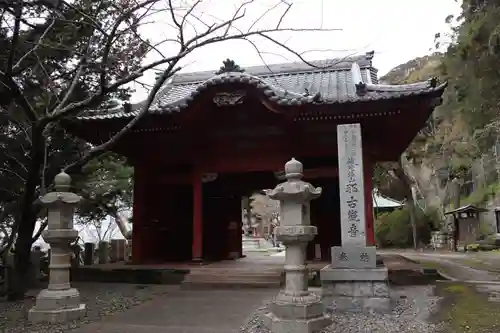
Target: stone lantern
<point x="295" y="309"/>
<point x="59" y="302"/>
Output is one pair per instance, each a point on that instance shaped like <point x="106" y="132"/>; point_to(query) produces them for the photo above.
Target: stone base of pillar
<point x="296" y="314"/>
<point x="55" y="306"/>
<point x="356" y="289"/>
<point x="233" y="255"/>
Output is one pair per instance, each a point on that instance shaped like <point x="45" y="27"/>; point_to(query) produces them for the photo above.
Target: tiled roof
<point x="467" y="208"/>
<point x="333" y="81"/>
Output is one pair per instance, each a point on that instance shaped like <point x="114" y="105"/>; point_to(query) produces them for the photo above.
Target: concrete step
<point x="232" y="279"/>
<point x="207" y="284"/>
<point x="234" y="273"/>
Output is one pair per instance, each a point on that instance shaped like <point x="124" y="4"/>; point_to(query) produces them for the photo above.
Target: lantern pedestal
<point x="59" y="302"/>
<point x="57" y="306"/>
<point x="295" y="309"/>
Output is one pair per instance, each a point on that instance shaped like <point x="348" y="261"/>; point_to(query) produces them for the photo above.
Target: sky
<point x="397" y="30"/>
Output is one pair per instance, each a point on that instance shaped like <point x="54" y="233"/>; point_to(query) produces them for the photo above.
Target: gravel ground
<point x="102" y="299"/>
<point x="414" y="306"/>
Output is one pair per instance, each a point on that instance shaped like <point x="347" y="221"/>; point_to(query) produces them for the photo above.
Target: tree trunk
<point x="26" y="219"/>
<point x="413" y="216"/>
<point x="410" y="198"/>
<point x="413" y="221"/>
<point x="122" y="225"/>
<point x="455" y="188"/>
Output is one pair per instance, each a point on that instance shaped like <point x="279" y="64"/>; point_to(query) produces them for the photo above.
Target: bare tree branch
<point x="112" y="34"/>
<point x="15" y="36"/>
<point x="13" y="173"/>
<point x="34" y="48"/>
<point x="270" y="9"/>
<point x="40" y="230"/>
<point x="96" y="151"/>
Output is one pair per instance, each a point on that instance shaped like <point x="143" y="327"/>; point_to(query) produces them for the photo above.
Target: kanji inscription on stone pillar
<point x="353" y="253"/>
<point x="352" y="199"/>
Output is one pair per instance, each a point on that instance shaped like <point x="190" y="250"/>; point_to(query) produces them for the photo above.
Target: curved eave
<point x="273" y="94"/>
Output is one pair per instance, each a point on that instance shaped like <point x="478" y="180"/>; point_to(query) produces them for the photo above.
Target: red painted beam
<point x="368" y="187"/>
<point x="321" y="173"/>
<point x="197" y="245"/>
<point x="247" y="163"/>
<point x="326" y="172"/>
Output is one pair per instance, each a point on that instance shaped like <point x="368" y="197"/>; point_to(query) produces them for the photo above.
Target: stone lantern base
<point x="356" y="289"/>
<point x="290" y="314"/>
<point x="56" y="306"/>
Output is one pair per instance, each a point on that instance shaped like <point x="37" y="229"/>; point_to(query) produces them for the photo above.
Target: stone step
<point x="234" y="273"/>
<point x="232" y="278"/>
<point x="207" y="284"/>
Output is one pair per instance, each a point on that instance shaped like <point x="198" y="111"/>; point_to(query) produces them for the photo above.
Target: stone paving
<point x="184" y="311"/>
<point x="454" y="265"/>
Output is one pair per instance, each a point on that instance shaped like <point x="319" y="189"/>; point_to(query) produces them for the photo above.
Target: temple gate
<point x="210" y="139"/>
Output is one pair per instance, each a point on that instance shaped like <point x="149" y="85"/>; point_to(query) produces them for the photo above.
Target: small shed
<point x="466" y="223"/>
<point x="497" y="219"/>
<point x="383" y="204"/>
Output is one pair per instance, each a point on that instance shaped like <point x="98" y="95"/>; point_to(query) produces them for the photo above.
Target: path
<point x="453" y="266"/>
<point x="184" y="311"/>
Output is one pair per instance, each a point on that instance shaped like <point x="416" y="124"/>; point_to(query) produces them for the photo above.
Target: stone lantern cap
<point x="294" y="188"/>
<point x="62" y="183"/>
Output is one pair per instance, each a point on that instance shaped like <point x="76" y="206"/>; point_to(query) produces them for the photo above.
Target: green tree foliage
<point x="471" y="64"/>
<point x="106" y="188"/>
<point x="56" y="58"/>
<point x="394" y="229"/>
<point x="469" y="115"/>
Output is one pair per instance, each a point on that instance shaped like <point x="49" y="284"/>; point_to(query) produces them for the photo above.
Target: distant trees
<point x="263" y="212"/>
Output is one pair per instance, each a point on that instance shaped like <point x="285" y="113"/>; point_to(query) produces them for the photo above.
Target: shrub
<point x="472" y="247"/>
<point x="394" y="229"/>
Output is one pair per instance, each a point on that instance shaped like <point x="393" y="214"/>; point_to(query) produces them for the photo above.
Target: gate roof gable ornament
<point x="229" y="66"/>
<point x="294" y="188"/>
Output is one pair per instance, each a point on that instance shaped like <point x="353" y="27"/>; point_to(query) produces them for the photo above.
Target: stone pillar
<point x="128" y="257"/>
<point x="36" y="261"/>
<point x="75" y="256"/>
<point x="295" y="309"/>
<point x="103" y="250"/>
<point x="88" y="254"/>
<point x="353" y="281"/>
<point x="118" y="250"/>
<point x="59" y="302"/>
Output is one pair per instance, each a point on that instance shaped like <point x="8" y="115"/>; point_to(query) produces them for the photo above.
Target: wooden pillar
<point x="368" y="182"/>
<point x="197" y="245"/>
<point x="234" y="249"/>
<point x="138" y="211"/>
